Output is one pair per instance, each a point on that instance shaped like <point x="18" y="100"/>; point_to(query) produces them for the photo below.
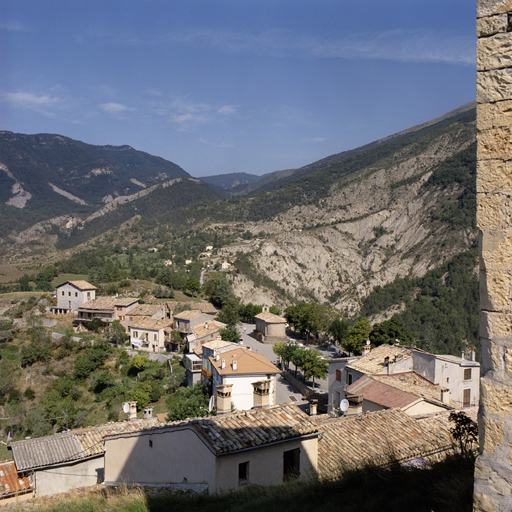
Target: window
<point x="88" y="295"/>
<point x="150" y="443"/>
<point x="243" y="473"/>
<point x="467" y="373"/>
<point x="338" y="375"/>
<point x="135" y="334"/>
<point x="155" y="337"/>
<point x="291" y="464"/>
<point x="69" y="294"/>
<point x="466" y="398"/>
<point x="62" y="292"/>
<point x="76" y="294"/>
<point x="349" y="377"/>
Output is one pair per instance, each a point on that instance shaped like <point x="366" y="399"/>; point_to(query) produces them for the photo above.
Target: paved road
<point x="285" y="391"/>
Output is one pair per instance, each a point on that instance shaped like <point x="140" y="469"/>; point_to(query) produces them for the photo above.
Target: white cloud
<point x="395" y="45"/>
<point x="226" y="110"/>
<point x="319" y="139"/>
<point x="40" y="103"/>
<point x="115" y="108"/>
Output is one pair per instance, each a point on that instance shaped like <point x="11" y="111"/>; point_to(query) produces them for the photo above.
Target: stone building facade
<point x="493" y="472"/>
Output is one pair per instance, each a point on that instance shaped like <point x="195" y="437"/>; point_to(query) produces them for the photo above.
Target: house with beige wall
<point x="68" y="460"/>
<point x="223" y="453"/>
<point x="72" y="294"/>
<point x="107" y="309"/>
<point x="270" y="328"/>
<point x="148" y="334"/>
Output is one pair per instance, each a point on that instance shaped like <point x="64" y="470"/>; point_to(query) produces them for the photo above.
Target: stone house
<point x="219" y="453"/>
<point x="204" y="333"/>
<point x="148" y="334"/>
<point x="241" y="368"/>
<point x="270" y="328"/>
<point x="186" y="320"/>
<point x="436" y="372"/>
<point x="72" y="294"/>
<point x="156" y="311"/>
<point x="106" y="309"/>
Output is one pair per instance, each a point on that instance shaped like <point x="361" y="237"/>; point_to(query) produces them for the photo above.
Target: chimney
<point x="367" y="348"/>
<point x="462" y="355"/>
<point x="355" y="404"/>
<point x="224" y="398"/>
<point x="445" y="396"/>
<point x="313" y="408"/>
<point x="261" y="394"/>
<point x="130" y="408"/>
<point x="147" y="413"/>
<point x="472" y="353"/>
<point x="223" y="364"/>
<point x="217" y="357"/>
<point x="234" y="366"/>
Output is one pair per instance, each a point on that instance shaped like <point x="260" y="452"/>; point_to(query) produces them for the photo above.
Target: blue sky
<point x="224" y="86"/>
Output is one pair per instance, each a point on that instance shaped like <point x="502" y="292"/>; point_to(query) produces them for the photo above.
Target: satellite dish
<point x="367" y="342"/>
<point x="126" y="408"/>
<point x="211" y="404"/>
<point x="344" y="405"/>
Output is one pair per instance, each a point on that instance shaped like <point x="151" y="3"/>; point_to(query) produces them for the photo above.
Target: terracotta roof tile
<point x="374" y="361"/>
<point x="248" y="363"/>
<point x="12" y="483"/>
<point x="148" y="323"/>
<point x="246" y="429"/>
<point x="377" y="437"/>
<point x="270" y="318"/>
<point x="80" y="284"/>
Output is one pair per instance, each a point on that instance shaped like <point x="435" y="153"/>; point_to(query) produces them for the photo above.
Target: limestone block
<point x="483" y="503"/>
<point x="495" y="325"/>
<point x="491" y="25"/>
<point x="494" y="85"/>
<point x="490" y="355"/>
<point x="494" y="52"/>
<point x="495" y="144"/>
<point x="496" y="291"/>
<point x="493" y="175"/>
<point x="492" y="435"/>
<point x="494" y="211"/>
<point x="496" y="250"/>
<point x="508" y="360"/>
<point x="490" y="7"/>
<point x="494" y="115"/>
<point x="496" y="398"/>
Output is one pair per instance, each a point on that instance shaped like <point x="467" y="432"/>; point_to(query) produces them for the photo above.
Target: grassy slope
<point x="446" y="487"/>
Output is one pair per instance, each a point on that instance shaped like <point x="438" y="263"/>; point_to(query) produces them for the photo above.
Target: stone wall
<point x="493" y="472"/>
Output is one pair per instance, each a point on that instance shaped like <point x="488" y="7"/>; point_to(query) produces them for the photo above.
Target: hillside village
<point x="269" y="425"/>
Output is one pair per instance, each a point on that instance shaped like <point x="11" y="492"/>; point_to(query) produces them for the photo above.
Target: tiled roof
<point x="12" y="483"/>
<point x="80" y="284"/>
<point x="246" y="429"/>
<point x="188" y="315"/>
<point x="216" y="344"/>
<point x="172" y="305"/>
<point x="148" y="323"/>
<point x="146" y="310"/>
<point x="108" y="303"/>
<point x="374" y="361"/>
<point x="457" y="360"/>
<point x="413" y="383"/>
<point x="208" y="328"/>
<point x="378" y="437"/>
<point x="247" y="362"/>
<point x="69" y="446"/>
<point x="380" y="393"/>
<point x="208" y="308"/>
<point x="270" y="318"/>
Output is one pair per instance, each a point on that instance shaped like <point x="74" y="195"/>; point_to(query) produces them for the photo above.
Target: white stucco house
<point x="241" y="368"/>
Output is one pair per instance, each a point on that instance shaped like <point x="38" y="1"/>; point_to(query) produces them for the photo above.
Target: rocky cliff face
<point x="373" y="226"/>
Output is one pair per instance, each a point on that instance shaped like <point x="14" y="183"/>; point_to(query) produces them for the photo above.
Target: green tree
<point x="357" y="336"/>
<point x="229" y="315"/>
<point x="189" y="402"/>
<point x="138" y="364"/>
<point x="118" y="332"/>
<point x="219" y="291"/>
<point x="314" y="366"/>
<point x="193" y="285"/>
<point x="389" y="331"/>
<point x="298" y="358"/>
<point x="230" y="334"/>
<point x="339" y="329"/>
